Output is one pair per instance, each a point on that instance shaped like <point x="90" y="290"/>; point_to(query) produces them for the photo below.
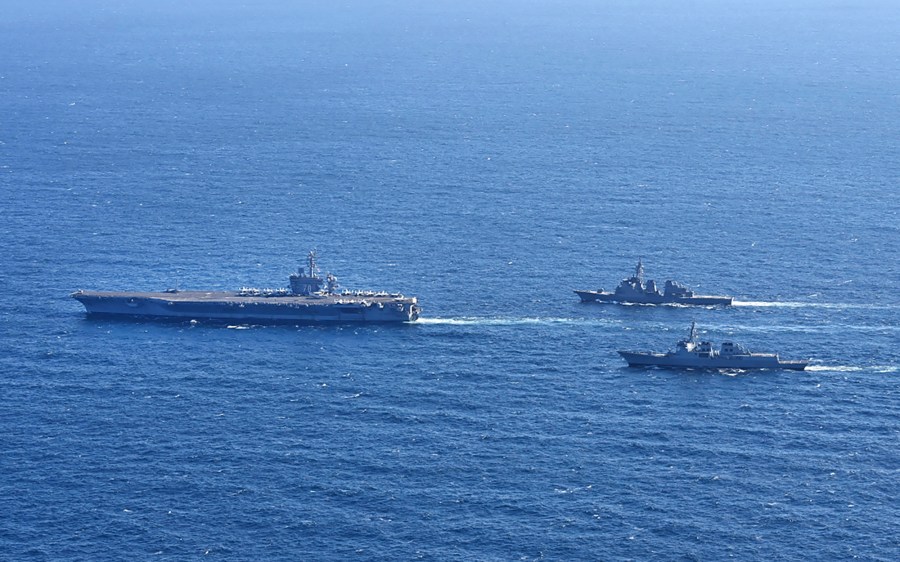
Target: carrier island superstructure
<point x="309" y="300"/>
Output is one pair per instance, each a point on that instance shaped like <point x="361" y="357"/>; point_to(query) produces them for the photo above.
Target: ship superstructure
<point x="309" y="299"/>
<point x="638" y="291"/>
<point x="691" y="353"/>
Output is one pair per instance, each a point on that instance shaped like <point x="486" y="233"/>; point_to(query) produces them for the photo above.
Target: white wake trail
<point x="798" y="304"/>
<point x="489" y="321"/>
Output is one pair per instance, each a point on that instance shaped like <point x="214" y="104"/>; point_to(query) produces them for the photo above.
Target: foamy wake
<point x="486" y="321"/>
<point x="847" y="369"/>
<point x="759" y="304"/>
<point x="838" y="368"/>
<point x="797" y="304"/>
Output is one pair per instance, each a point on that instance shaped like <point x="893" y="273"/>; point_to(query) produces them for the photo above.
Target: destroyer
<point x="310" y="299"/>
<point x="636" y="290"/>
<point x="693" y="354"/>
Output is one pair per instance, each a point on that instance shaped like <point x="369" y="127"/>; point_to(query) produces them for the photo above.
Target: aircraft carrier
<point x="309" y="300"/>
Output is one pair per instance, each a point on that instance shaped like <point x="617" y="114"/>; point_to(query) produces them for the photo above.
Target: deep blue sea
<point x="487" y="157"/>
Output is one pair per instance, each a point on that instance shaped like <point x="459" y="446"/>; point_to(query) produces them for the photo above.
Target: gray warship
<point x="636" y="290"/>
<point x="693" y="354"/>
<point x="309" y="300"/>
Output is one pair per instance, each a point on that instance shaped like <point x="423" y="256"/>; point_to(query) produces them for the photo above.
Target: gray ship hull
<point x="701" y="300"/>
<point x="750" y="361"/>
<point x="231" y="307"/>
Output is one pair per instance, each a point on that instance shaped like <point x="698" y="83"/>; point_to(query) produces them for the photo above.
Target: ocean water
<point x="488" y="157"/>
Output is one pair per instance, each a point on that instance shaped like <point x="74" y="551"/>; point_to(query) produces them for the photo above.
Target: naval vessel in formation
<point x="636" y="290"/>
<point x="693" y="354"/>
<point x="310" y="299"/>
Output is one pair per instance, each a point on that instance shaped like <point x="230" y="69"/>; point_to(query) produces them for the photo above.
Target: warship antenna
<point x="311" y="262"/>
<point x="693" y="331"/>
<point x="639" y="270"/>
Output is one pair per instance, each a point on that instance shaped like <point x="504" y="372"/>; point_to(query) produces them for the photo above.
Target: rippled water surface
<point x="488" y="159"/>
